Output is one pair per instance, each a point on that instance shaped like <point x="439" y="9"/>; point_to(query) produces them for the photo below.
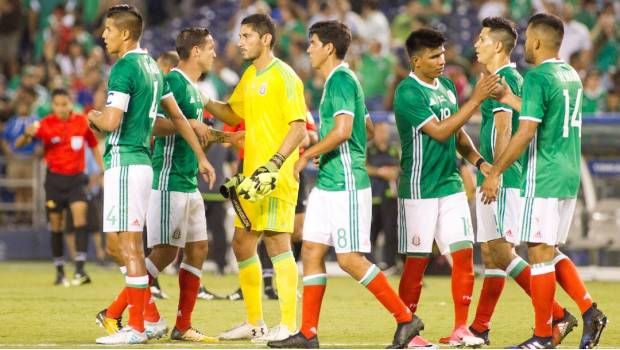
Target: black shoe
<point x="80" y="278"/>
<point x="405" y="332"/>
<point x="535" y="343"/>
<point x="158" y="293"/>
<point x="237" y="295"/>
<point x="61" y="280"/>
<point x="204" y="294"/>
<point x="295" y="341"/>
<point x="594" y="321"/>
<point x="482" y="335"/>
<point x="271" y="293"/>
<point x="563" y="326"/>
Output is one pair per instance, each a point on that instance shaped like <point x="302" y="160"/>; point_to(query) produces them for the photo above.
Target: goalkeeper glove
<point x="263" y="181"/>
<point x="231" y="185"/>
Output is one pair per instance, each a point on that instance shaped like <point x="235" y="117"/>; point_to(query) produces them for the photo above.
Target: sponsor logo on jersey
<point x="451" y="97"/>
<point x="55" y="139"/>
<point x="263" y="89"/>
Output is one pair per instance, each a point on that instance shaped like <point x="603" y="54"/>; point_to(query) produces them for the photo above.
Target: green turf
<point x="33" y="313"/>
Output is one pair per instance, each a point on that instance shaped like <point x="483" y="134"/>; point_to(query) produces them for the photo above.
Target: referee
<point x="64" y="135"/>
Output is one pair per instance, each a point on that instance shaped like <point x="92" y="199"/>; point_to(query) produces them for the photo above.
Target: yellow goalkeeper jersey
<point x="269" y="100"/>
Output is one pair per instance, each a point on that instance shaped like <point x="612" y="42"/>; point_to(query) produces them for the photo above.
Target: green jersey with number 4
<point x="135" y="86"/>
<point x="428" y="166"/>
<point x="552" y="95"/>
<point x="174" y="164"/>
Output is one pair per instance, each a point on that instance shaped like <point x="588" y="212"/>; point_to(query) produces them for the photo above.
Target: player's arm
<point x="28" y="135"/>
<point x="441" y="130"/>
<point x="506" y="96"/>
<point x="222" y="111"/>
<point x="163" y="127"/>
<point x="370" y="128"/>
<point x="468" y="151"/>
<point x="98" y="157"/>
<point x="503" y="131"/>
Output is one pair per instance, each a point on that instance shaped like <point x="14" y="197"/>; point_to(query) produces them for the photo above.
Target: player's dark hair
<point x="424" y="38"/>
<point x="28" y="90"/>
<point x="190" y="37"/>
<point x="335" y="33"/>
<point x="127" y="17"/>
<point x="262" y="24"/>
<point x="504" y="30"/>
<point x="60" y="92"/>
<point x="552" y="24"/>
<point x="170" y="57"/>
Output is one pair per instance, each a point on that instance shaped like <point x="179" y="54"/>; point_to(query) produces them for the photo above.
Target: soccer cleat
<point x="244" y="331"/>
<point x="279" y="332"/>
<point x="270" y="293"/>
<point x="420" y="343"/>
<point x="155" y="330"/>
<point x="204" y="294"/>
<point x="192" y="335"/>
<point x="594" y="321"/>
<point x="236" y="295"/>
<point x="482" y="335"/>
<point x="295" y="341"/>
<point x="562" y="327"/>
<point x="111" y="325"/>
<point x="80" y="279"/>
<point x="462" y="337"/>
<point x="126" y="335"/>
<point x="405" y="332"/>
<point x="535" y="343"/>
<point x="61" y="280"/>
<point x="157" y="293"/>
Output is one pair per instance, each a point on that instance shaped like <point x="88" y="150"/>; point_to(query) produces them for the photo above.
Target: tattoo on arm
<point x="218" y="136"/>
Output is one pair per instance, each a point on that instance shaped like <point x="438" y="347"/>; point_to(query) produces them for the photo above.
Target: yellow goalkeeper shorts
<point x="269" y="214"/>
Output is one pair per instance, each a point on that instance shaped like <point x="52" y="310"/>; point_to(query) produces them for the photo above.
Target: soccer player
<point x="498" y="223"/>
<point x="64" y="135"/>
<point x="270" y="99"/>
<point x="432" y="204"/>
<point x="550" y="131"/>
<point x="135" y="89"/>
<point x="340" y="206"/>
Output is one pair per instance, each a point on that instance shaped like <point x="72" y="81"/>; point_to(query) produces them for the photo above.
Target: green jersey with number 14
<point x="552" y="94"/>
<point x="135" y="86"/>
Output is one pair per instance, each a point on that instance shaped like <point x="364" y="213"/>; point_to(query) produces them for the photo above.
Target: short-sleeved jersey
<point x="174" y="164"/>
<point x="428" y="166"/>
<point x="136" y="86"/>
<point x="552" y="95"/>
<point x="268" y="101"/>
<point x="343" y="168"/>
<point x="511" y="178"/>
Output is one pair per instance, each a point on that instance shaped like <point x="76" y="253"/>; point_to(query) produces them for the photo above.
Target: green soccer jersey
<point x="428" y="166"/>
<point x="511" y="178"/>
<point x="552" y="95"/>
<point x="174" y="163"/>
<point x="343" y="168"/>
<point x="136" y="86"/>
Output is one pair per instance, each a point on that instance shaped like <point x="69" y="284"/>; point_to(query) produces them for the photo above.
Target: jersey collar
<point x="510" y="64"/>
<point x="136" y="50"/>
<point x="552" y="60"/>
<point x="184" y="75"/>
<point x="343" y="64"/>
<point x="425" y="84"/>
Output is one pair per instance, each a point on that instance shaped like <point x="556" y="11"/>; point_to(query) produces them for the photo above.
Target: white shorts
<point x="340" y="219"/>
<point x="175" y="218"/>
<point x="126" y="194"/>
<point x="446" y="220"/>
<point x="499" y="219"/>
<point x="546" y="220"/>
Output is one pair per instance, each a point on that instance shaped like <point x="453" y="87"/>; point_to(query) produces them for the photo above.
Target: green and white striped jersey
<point x="343" y="168"/>
<point x="136" y="86"/>
<point x="174" y="164"/>
<point x="552" y="95"/>
<point x="428" y="166"/>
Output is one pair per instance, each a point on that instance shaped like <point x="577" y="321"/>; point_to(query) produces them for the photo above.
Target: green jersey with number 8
<point x="136" y="86"/>
<point x="552" y="95"/>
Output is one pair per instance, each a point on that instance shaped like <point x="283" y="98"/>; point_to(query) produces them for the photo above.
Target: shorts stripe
<point x="501" y="211"/>
<point x="527" y="219"/>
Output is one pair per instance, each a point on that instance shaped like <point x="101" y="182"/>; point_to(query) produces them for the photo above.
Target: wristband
<point x="278" y="160"/>
<point x="479" y="162"/>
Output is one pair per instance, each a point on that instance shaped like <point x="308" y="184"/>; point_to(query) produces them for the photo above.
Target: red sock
<point x="378" y="285"/>
<point x="115" y="310"/>
<point x="151" y="314"/>
<point x="492" y="288"/>
<point x="523" y="280"/>
<point x="136" y="288"/>
<point x="569" y="279"/>
<point x="189" y="284"/>
<point x="542" y="284"/>
<point x="314" y="289"/>
<point x="410" y="286"/>
<point x="462" y="284"/>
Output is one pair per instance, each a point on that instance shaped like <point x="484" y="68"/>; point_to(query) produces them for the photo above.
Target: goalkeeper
<point x="270" y="99"/>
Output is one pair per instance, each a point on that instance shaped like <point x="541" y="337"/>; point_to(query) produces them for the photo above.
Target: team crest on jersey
<point x="176" y="234"/>
<point x="263" y="89"/>
<point x="416" y="240"/>
<point x="451" y="97"/>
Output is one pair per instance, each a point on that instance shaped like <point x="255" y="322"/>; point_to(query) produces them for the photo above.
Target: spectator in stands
<point x="292" y="30"/>
<point x="406" y="21"/>
<point x="72" y="63"/>
<point x="605" y="36"/>
<point x="576" y="34"/>
<point x="613" y="101"/>
<point x="374" y="70"/>
<point x="10" y="34"/>
<point x="376" y="25"/>
<point x="20" y="160"/>
<point x="594" y="94"/>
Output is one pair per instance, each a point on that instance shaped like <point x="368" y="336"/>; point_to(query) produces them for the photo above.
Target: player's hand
<point x="203" y="132"/>
<point x="237" y="139"/>
<point x="206" y="170"/>
<point x="231" y="185"/>
<point x="92" y="116"/>
<point x="485" y="169"/>
<point x="31" y="129"/>
<point x="299" y="166"/>
<point x="484" y="87"/>
<point x="502" y="92"/>
<point x="388" y="173"/>
<point x="263" y="181"/>
<point x="489" y="189"/>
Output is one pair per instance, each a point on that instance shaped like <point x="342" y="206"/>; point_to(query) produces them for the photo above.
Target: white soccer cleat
<point x="244" y="331"/>
<point x="127" y="335"/>
<point x="462" y="337"/>
<point x="156" y="330"/>
<point x="279" y="332"/>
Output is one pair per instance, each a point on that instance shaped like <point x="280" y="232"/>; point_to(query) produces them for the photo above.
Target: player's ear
<point x="267" y="39"/>
<point x="125" y="34"/>
<point x="330" y="48"/>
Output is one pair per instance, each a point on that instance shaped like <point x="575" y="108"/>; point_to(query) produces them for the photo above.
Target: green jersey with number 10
<point x="552" y="94"/>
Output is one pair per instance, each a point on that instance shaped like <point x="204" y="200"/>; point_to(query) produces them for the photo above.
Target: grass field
<point x="33" y="313"/>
